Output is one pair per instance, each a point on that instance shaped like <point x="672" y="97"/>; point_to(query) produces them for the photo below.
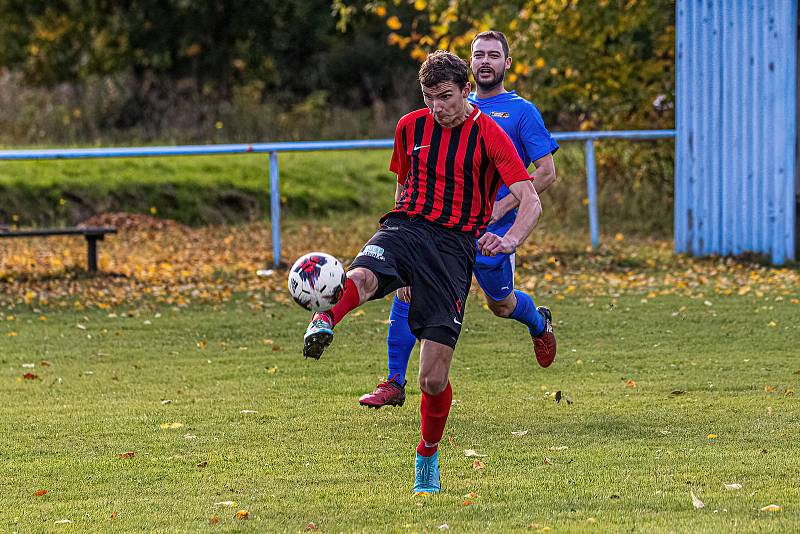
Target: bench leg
<point x="91" y="253"/>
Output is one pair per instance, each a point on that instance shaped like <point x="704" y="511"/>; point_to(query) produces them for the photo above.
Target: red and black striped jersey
<point x="451" y="175"/>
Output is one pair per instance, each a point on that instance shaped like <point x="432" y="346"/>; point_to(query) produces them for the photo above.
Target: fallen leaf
<point x="519" y="433"/>
<point x="30" y="376"/>
<point x="82" y="327"/>
<point x="247" y="411"/>
<point x="712" y="436"/>
<point x="311" y="526"/>
<point x="272" y="370"/>
<point x="467" y="503"/>
<point x="114" y="515"/>
<point x="242" y="514"/>
<point x="444" y="526"/>
<point x="559" y="448"/>
<point x="44" y="363"/>
<point x="471" y="453"/>
<point x="202" y="344"/>
<point x="771" y="508"/>
<point x="166" y="426"/>
<point x="547" y="461"/>
<point x="203" y="464"/>
<point x="359" y="313"/>
<point x="676" y="392"/>
<point x="471" y="495"/>
<point x="558" y="396"/>
<point x="477" y="465"/>
<point x="126" y="455"/>
<point x="166" y="401"/>
<point x="630" y="384"/>
<point x="40" y="492"/>
<point x="214" y="519"/>
<point x="229" y="504"/>
<point x="64" y="522"/>
<point x="28" y="365"/>
<point x="769" y="389"/>
<point x="697" y="503"/>
<point x="734" y="486"/>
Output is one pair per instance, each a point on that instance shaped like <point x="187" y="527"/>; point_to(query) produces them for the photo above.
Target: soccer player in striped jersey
<point x="523" y="123"/>
<point x="450" y="160"/>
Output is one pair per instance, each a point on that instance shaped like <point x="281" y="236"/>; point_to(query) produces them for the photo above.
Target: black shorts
<point x="435" y="261"/>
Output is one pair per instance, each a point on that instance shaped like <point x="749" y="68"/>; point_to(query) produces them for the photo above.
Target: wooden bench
<point x="92" y="235"/>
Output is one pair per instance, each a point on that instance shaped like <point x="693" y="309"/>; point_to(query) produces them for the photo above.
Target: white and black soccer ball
<point x="316" y="281"/>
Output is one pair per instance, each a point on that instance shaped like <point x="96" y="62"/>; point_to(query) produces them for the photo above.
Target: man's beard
<point x="496" y="80"/>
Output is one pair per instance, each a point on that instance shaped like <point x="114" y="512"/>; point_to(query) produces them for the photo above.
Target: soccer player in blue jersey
<point x="523" y="123"/>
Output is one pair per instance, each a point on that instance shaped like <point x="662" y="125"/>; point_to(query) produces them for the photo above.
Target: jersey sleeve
<point x="401" y="162"/>
<point x="504" y="156"/>
<point x="536" y="140"/>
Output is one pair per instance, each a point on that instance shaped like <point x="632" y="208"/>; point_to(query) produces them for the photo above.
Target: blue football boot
<point x="426" y="475"/>
<point x="319" y="335"/>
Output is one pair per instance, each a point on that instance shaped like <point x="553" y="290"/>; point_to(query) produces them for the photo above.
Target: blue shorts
<point x="495" y="275"/>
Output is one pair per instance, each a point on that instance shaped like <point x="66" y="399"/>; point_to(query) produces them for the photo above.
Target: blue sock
<point x="400" y="341"/>
<point x="527" y="314"/>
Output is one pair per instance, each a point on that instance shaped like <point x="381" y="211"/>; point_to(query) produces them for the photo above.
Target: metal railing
<point x="306" y="146"/>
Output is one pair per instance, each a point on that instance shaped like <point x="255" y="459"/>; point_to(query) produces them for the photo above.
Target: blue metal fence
<point x="274" y="148"/>
<point x="736" y="118"/>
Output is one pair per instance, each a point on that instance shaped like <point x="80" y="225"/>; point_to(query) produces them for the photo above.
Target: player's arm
<point x="398" y="193"/>
<point x="543" y="177"/>
<point x="516" y="177"/>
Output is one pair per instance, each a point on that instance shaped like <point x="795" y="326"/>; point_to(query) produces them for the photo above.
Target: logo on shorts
<point x="373" y="251"/>
<point x="501" y="114"/>
<point x="458" y="307"/>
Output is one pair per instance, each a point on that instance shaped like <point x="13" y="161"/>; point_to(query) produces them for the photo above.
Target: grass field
<point x="669" y="396"/>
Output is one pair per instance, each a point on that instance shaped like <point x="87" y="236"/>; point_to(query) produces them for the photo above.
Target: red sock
<point x="434" y="410"/>
<point x="347" y="303"/>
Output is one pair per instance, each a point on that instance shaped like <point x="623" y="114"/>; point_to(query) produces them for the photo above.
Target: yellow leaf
<point x="170" y="426"/>
<point x="242" y="514"/>
<point x="359" y="313"/>
<point x="380" y="11"/>
<point x="471" y="495"/>
<point x="712" y="436"/>
<point x="394" y="23"/>
<point x="419" y="5"/>
<point x="478" y="465"/>
<point x="539" y="63"/>
<point x="619" y="237"/>
<point x="771" y="508"/>
<point x="214" y="519"/>
<point x="272" y="370"/>
<point x="201" y="344"/>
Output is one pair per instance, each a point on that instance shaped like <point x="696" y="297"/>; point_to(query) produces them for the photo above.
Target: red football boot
<point x="389" y="393"/>
<point x="544" y="345"/>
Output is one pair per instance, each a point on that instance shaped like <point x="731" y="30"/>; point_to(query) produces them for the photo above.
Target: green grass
<point x="311" y="454"/>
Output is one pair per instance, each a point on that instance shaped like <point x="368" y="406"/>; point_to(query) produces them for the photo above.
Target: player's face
<point x="447" y="102"/>
<point x="489" y="63"/>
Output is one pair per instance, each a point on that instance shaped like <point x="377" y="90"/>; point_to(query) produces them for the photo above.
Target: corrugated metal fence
<point x="735" y="155"/>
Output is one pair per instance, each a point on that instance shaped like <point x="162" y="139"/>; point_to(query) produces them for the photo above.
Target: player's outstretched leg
<point x="360" y="285"/>
<point x="400" y="342"/>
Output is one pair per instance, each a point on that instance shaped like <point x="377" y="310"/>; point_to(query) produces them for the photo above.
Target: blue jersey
<point x="522" y="122"/>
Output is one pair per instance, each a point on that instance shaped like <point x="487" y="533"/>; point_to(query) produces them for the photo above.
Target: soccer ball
<point x="316" y="281"/>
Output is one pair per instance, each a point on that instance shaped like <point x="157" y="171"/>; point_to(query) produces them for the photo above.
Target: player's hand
<point x="492" y="245"/>
<point x="404" y="294"/>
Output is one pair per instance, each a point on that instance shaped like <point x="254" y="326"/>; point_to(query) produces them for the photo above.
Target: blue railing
<point x="274" y="148"/>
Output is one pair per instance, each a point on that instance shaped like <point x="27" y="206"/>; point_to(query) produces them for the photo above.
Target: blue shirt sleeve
<point x="536" y="139"/>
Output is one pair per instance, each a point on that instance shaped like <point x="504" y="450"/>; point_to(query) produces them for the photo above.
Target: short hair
<point x="493" y="35"/>
<point x="443" y="66"/>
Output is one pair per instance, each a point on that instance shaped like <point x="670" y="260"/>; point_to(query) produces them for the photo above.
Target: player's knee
<point x="433" y="383"/>
<point x="502" y="308"/>
<point x="365" y="280"/>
